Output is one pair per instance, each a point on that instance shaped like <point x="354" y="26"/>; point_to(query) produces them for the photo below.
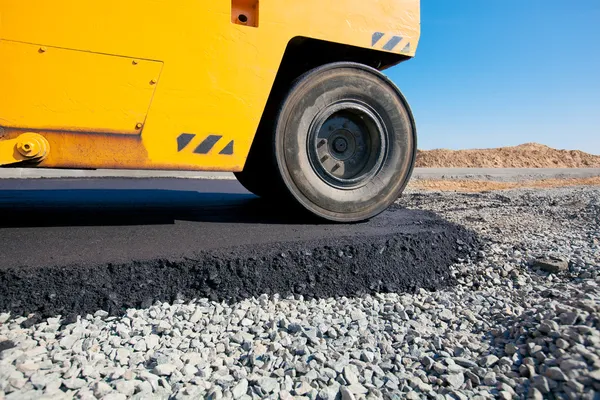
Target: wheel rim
<point x="347" y="144"/>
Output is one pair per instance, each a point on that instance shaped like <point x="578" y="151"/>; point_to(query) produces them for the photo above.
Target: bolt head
<point x="26" y="148"/>
<point x="138" y="125"/>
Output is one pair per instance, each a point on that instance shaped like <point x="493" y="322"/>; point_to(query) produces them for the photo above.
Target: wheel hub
<point x="346" y="144"/>
<point x="340" y="145"/>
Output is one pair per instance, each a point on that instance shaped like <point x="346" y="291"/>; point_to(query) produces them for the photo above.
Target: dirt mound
<point x="528" y="155"/>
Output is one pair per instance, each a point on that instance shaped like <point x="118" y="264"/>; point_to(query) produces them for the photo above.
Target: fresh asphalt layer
<point x="87" y="222"/>
<point x="78" y="245"/>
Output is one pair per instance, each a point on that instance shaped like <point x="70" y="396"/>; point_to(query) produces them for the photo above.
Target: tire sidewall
<point x="312" y="93"/>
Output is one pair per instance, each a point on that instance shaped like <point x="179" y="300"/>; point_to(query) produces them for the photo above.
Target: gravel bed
<point x="523" y="322"/>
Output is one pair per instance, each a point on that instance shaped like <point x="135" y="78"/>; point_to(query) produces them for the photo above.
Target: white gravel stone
<point x="556" y="374"/>
<point x="125" y="387"/>
<point x="358" y="389"/>
<point x="268" y="385"/>
<point x="541" y="383"/>
<point x="488" y="361"/>
<point x="101" y="389"/>
<point x="330" y="392"/>
<point x="152" y="341"/>
<point x="114" y="396"/>
<point x="67" y="342"/>
<point x="535" y="394"/>
<point x="346" y="393"/>
<point x="595" y="374"/>
<point x="74" y="383"/>
<point x="455" y="380"/>
<point x="351" y="374"/>
<point x="164" y="369"/>
<point x="446" y="315"/>
<point x="240" y="389"/>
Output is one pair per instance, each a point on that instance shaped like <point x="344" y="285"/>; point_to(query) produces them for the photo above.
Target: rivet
<point x="43" y="49"/>
<point x="134" y="62"/>
<point x="138" y="125"/>
<point x="153" y="82"/>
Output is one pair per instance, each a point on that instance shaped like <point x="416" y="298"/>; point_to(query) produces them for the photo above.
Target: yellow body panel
<point x="84" y="74"/>
<point x="53" y="87"/>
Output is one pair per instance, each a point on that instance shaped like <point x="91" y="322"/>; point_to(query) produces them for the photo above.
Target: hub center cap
<point x="340" y="145"/>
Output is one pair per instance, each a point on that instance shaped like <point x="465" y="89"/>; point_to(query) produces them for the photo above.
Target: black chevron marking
<point x="227" y="149"/>
<point x="183" y="140"/>
<point x="207" y="144"/>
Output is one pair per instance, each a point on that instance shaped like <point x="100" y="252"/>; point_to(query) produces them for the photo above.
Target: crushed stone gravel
<point x="511" y="328"/>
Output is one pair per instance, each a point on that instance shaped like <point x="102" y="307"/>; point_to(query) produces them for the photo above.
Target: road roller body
<point x="288" y="95"/>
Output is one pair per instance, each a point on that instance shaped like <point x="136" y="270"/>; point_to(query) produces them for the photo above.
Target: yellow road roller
<point x="289" y="95"/>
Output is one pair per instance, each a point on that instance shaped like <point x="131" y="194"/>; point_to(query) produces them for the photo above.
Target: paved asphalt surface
<point x="78" y="245"/>
<point x="49" y="222"/>
<point x="499" y="174"/>
<point x="62" y="221"/>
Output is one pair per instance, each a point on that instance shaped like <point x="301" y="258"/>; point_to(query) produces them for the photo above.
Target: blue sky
<point x="501" y="73"/>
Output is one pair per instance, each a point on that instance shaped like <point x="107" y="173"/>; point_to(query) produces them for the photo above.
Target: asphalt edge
<point x="399" y="262"/>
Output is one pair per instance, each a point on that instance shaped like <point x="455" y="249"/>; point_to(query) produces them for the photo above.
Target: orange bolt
<point x="153" y="81"/>
<point x="43" y="49"/>
<point x="138" y="125"/>
<point x="134" y="62"/>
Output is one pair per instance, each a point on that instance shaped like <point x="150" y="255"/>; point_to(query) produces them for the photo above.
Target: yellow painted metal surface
<point x="57" y="89"/>
<point x="212" y="75"/>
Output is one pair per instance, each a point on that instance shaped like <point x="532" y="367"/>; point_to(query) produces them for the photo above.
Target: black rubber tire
<point x="259" y="175"/>
<point x="252" y="177"/>
<point x="314" y="91"/>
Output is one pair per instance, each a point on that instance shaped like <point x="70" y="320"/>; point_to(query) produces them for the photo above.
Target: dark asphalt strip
<point x="111" y="244"/>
